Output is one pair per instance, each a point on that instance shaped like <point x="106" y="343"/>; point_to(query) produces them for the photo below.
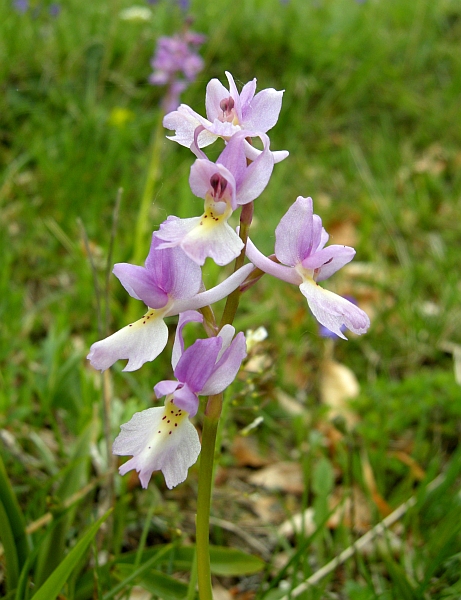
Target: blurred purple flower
<point x="21" y="6"/>
<point x="176" y="64"/>
<point x="54" y="9"/>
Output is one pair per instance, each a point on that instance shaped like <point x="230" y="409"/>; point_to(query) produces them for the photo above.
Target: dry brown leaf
<point x="370" y="481"/>
<point x="267" y="508"/>
<point x="220" y="593"/>
<point x="338" y="384"/>
<point x="239" y="595"/>
<point x="346" y="507"/>
<point x="343" y="233"/>
<point x="432" y="161"/>
<point x="285" y="476"/>
<point x="259" y="363"/>
<point x="289" y="404"/>
<point x="417" y="471"/>
<point x="245" y="452"/>
<point x="301" y="522"/>
<point x="350" y="508"/>
<point x="138" y="593"/>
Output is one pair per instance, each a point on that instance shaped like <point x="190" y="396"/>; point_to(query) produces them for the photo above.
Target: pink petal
<point x="184" y="122"/>
<point x="252" y="153"/>
<point x="178" y="347"/>
<point x="294" y="233"/>
<point x="257" y="175"/>
<point x="233" y="157"/>
<point x="200" y="174"/>
<point x="140" y="284"/>
<point x="187" y="400"/>
<point x="227" y="367"/>
<point x="197" y="363"/>
<point x="246" y="96"/>
<point x="215" y="92"/>
<point x="264" y="110"/>
<point x="173" y="271"/>
<point x="328" y="261"/>
<point x="165" y="388"/>
<point x="233" y="92"/>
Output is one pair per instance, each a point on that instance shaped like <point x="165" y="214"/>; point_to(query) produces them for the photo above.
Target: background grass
<point x="371" y="119"/>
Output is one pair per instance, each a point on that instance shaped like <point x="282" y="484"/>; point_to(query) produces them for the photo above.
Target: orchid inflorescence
<point x="170" y="283"/>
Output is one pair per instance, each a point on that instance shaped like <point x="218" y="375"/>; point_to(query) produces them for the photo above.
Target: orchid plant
<point x="163" y="438"/>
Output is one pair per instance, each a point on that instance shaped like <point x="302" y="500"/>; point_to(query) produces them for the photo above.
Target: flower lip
<point x="160" y="438"/>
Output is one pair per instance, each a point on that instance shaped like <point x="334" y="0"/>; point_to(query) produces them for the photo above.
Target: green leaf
<point x="224" y="561"/>
<point x="9" y="548"/>
<point x="159" y="554"/>
<point x="401" y="585"/>
<point x="323" y="477"/>
<point x="53" y="585"/>
<point x="12" y="530"/>
<point x="53" y="546"/>
<point x="227" y="561"/>
<point x="158" y="583"/>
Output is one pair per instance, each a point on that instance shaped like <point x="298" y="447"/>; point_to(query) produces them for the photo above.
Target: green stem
<point x="143" y="225"/>
<point x="143" y="229"/>
<point x="205" y="483"/>
<point x="232" y="302"/>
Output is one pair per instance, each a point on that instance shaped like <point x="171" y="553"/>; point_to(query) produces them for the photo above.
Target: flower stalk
<point x="232" y="302"/>
<point x="143" y="229"/>
<point x="205" y="484"/>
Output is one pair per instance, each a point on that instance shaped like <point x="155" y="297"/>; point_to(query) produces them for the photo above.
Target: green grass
<point x="371" y="119"/>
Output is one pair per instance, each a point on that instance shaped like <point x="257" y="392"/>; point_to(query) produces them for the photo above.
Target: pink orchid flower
<point x="169" y="284"/>
<point x="163" y="438"/>
<point x="228" y="112"/>
<point x="300" y="240"/>
<point x="224" y="185"/>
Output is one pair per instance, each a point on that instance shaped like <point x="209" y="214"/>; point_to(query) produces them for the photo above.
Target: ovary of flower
<point x="159" y="439"/>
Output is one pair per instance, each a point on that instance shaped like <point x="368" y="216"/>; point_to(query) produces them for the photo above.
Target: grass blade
<point x="53" y="585"/>
<point x="12" y="529"/>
